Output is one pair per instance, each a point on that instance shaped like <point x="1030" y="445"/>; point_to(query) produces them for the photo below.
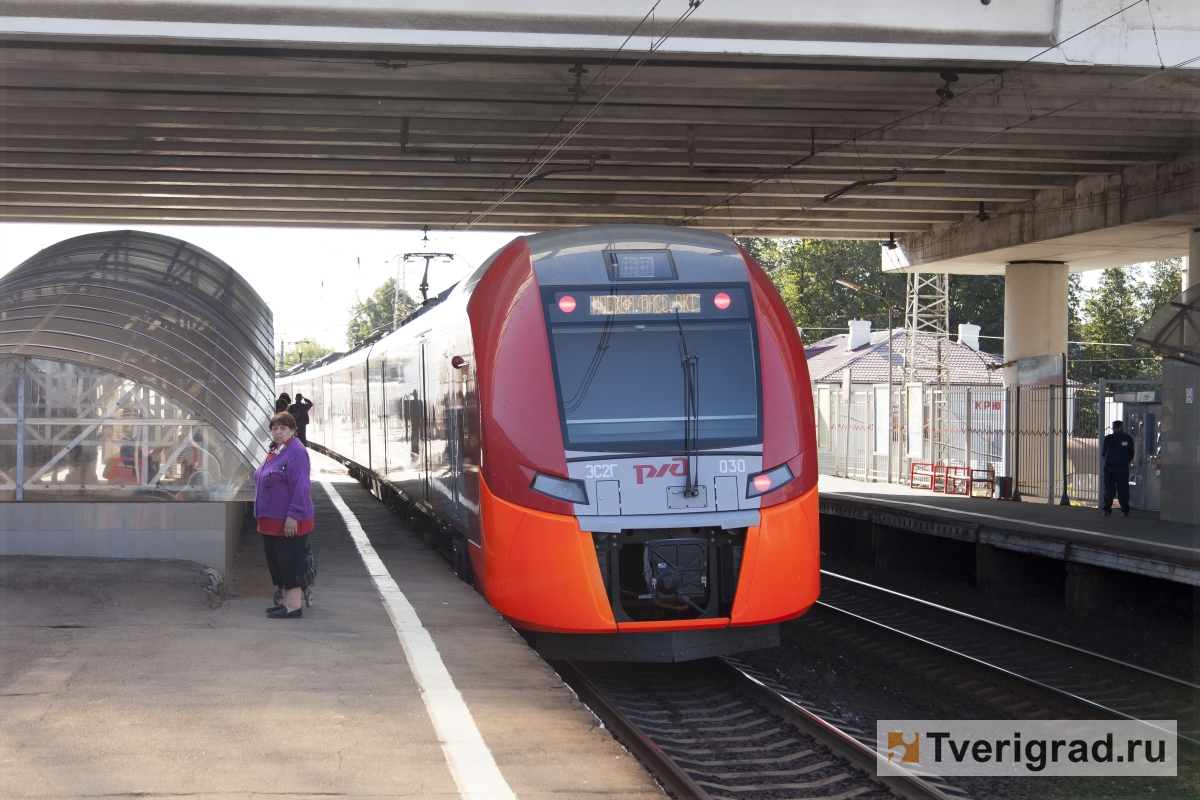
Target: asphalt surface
<point x="120" y="677"/>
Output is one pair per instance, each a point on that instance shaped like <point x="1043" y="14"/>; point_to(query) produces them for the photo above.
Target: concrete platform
<point x="118" y="678"/>
<point x="1140" y="544"/>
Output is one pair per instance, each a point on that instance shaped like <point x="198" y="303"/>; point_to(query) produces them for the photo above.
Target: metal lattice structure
<point x="131" y="364"/>
<point x="927" y="327"/>
<point x="71" y="431"/>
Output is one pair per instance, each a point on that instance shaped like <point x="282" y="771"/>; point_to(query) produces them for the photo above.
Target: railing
<point x="1007" y="431"/>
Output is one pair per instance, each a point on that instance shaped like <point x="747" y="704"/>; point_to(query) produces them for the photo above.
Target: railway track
<point x="1090" y="681"/>
<point x="718" y="729"/>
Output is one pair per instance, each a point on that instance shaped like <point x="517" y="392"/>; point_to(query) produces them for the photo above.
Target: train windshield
<point x="636" y="369"/>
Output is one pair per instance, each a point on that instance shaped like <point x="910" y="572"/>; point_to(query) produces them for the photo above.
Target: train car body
<point x="611" y="429"/>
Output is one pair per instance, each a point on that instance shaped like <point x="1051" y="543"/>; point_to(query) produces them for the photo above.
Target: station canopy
<point x="133" y="366"/>
<point x="1174" y="330"/>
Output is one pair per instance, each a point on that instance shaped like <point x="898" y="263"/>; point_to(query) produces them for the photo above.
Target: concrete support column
<point x="1191" y="265"/>
<point x="1181" y="422"/>
<point x="1035" y="311"/>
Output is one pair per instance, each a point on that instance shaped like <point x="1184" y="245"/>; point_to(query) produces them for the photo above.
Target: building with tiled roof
<point x="850" y="400"/>
<point x="829" y="358"/>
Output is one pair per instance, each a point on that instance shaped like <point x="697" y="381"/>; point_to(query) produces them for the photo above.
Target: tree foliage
<point x="378" y="311"/>
<point x="805" y="271"/>
<point x="1165" y="283"/>
<point x="1110" y="315"/>
<point x="979" y="300"/>
<point x="304" y="351"/>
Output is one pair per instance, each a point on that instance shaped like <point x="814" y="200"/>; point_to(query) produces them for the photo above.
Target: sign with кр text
<point x="1040" y="370"/>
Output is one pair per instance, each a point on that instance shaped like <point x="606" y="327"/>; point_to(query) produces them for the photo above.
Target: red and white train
<point x="611" y="432"/>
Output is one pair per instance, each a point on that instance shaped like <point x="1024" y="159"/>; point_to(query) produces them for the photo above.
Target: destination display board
<point x="658" y="305"/>
<point x="666" y="303"/>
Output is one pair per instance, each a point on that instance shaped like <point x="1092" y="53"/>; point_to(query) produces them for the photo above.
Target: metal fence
<point x="1047" y="445"/>
<point x="1039" y="462"/>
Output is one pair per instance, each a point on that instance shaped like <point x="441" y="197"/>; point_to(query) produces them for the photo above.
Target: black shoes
<point x="1106" y="513"/>
<point x="283" y="613"/>
<point x="275" y="608"/>
<point x="1124" y="513"/>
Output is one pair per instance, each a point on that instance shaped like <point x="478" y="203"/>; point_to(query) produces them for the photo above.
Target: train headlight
<point x="768" y="481"/>
<point x="560" y="488"/>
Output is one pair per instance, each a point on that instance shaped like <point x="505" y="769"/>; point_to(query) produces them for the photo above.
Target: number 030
<point x="732" y="465"/>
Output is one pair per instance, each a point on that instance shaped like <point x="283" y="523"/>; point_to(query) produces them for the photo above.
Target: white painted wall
<point x="184" y="531"/>
<point x="1035" y="312"/>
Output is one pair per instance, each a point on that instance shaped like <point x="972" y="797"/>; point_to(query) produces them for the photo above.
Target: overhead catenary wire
<point x="1088" y="344"/>
<point x="533" y="154"/>
<point x="814" y="152"/>
<point x="654" y="47"/>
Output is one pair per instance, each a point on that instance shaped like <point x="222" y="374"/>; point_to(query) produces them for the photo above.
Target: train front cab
<point x="672" y="512"/>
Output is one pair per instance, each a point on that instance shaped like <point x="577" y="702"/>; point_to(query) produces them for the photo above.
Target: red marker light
<point x="722" y="301"/>
<point x="566" y="304"/>
<point x="762" y="482"/>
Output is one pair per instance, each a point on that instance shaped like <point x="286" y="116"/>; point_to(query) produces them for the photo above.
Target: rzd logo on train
<point x="677" y="466"/>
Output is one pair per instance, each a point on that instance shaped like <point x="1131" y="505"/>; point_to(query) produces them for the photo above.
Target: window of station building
<point x="823" y="411"/>
<point x="882" y="423"/>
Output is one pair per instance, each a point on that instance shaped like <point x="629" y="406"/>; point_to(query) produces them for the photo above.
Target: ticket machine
<point x="1143" y="421"/>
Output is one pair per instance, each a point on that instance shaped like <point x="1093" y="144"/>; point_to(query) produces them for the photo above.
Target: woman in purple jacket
<point x="284" y="509"/>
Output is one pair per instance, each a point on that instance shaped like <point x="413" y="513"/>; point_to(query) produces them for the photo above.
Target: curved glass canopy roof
<point x="1174" y="330"/>
<point x="132" y="365"/>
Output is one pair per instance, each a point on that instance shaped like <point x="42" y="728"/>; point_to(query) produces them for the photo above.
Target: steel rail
<point x="1002" y="626"/>
<point x="841" y="742"/>
<point x="661" y="766"/>
<point x="1092" y="704"/>
<point x="754" y="692"/>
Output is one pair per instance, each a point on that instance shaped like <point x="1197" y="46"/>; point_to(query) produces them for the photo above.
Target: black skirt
<point x="286" y="559"/>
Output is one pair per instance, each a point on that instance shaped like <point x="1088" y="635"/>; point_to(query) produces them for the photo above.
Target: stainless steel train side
<point x="399" y="409"/>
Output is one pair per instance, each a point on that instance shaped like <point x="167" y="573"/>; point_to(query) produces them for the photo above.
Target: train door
<point x="424" y="432"/>
<point x="383" y="416"/>
<point x="456" y="406"/>
<point x="377" y="414"/>
<point x="1143" y="422"/>
<point x="326" y="411"/>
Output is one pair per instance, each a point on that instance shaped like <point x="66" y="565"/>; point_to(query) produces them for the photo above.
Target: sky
<point x="308" y="276"/>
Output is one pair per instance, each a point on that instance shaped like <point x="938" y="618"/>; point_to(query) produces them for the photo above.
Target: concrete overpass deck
<point x="959" y="127"/>
<point x="118" y="679"/>
<point x="1140" y="544"/>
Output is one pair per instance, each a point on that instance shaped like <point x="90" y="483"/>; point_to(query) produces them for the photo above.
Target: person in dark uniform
<point x="299" y="412"/>
<point x="1118" y="455"/>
